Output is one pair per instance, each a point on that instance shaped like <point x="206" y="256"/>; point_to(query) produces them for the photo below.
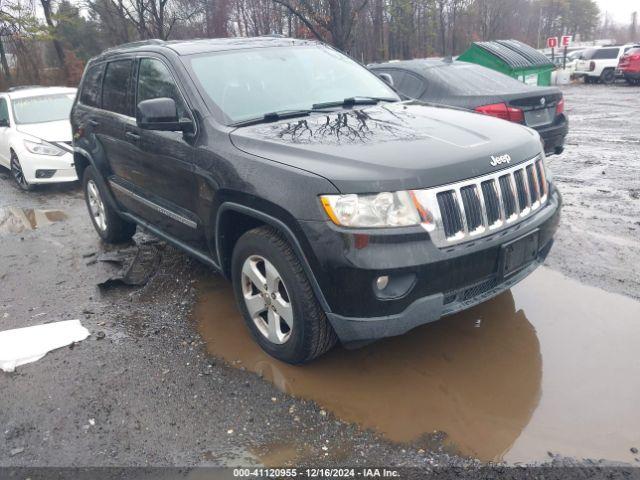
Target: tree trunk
<point x="5" y="64"/>
<point x="46" y="7"/>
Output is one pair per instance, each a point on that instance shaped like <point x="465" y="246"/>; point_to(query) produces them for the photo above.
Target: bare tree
<point x="328" y="20"/>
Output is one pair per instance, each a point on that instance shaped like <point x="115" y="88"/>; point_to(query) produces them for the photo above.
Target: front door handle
<point x="132" y="136"/>
<point x="93" y="123"/>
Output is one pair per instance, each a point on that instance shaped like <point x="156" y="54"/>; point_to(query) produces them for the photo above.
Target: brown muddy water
<point x="17" y="220"/>
<point x="550" y="366"/>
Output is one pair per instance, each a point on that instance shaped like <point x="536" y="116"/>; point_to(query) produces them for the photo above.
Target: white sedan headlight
<point x="43" y="148"/>
<point x="386" y="209"/>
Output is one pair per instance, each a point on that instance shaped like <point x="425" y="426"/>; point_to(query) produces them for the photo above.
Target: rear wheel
<point x="608" y="75"/>
<point x="109" y="225"/>
<point x="276" y="299"/>
<point x="18" y="175"/>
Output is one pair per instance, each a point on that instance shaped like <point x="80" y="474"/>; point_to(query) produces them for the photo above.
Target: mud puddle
<point x="550" y="366"/>
<point x="18" y="220"/>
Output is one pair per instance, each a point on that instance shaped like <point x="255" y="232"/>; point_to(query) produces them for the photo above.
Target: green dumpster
<point x="512" y="58"/>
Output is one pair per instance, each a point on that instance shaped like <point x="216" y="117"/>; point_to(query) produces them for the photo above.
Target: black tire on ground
<point x="18" y="175"/>
<point x="608" y="75"/>
<point x="311" y="334"/>
<point x="108" y="224"/>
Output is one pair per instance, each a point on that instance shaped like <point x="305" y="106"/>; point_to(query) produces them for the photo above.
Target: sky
<point x="619" y="10"/>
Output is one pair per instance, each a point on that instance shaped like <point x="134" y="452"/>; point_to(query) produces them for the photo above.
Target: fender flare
<point x="285" y="230"/>
<point x="101" y="181"/>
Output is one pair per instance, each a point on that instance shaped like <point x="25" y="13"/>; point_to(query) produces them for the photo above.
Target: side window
<point x="411" y="85"/>
<point x="606" y="53"/>
<point x="90" y="94"/>
<point x="115" y="87"/>
<point x="4" y="110"/>
<point x="155" y="81"/>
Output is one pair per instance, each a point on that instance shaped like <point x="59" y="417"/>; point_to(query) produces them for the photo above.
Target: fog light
<point x="382" y="282"/>
<point x="45" y="173"/>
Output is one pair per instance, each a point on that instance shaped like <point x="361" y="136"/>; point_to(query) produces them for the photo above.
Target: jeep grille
<point x="478" y="207"/>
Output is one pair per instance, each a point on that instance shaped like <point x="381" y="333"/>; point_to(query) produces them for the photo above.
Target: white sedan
<point x="35" y="135"/>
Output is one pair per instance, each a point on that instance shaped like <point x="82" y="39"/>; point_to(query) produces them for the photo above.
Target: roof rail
<point x="139" y="43"/>
<point x="23" y="87"/>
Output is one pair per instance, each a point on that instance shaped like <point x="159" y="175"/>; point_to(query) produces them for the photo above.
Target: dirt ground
<point x="169" y="376"/>
<point x="599" y="176"/>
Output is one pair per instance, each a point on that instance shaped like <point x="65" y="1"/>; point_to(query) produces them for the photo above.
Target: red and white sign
<point x="565" y="40"/>
<point x="552" y="42"/>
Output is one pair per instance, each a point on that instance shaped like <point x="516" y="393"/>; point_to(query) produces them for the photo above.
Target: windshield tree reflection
<point x="247" y="84"/>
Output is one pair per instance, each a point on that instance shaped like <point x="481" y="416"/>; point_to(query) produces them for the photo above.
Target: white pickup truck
<point x="599" y="64"/>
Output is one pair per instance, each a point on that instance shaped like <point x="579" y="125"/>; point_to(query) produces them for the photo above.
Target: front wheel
<point x="109" y="225"/>
<point x="18" y="175"/>
<point x="276" y="298"/>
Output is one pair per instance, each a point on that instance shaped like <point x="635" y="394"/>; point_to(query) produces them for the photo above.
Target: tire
<point x="608" y="76"/>
<point x="109" y="225"/>
<point x="18" y="175"/>
<point x="285" y="319"/>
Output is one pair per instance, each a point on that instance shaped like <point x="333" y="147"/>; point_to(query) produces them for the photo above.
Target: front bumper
<point x="444" y="281"/>
<point x="63" y="166"/>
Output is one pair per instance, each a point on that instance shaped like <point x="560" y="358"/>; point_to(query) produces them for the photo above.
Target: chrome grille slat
<point x="532" y="181"/>
<point x="512" y="180"/>
<point x="508" y="197"/>
<point x="472" y="208"/>
<point x="463" y="214"/>
<point x="483" y="208"/>
<point x="503" y="215"/>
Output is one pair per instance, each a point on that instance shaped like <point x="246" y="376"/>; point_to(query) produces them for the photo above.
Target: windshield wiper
<point x="351" y="101"/>
<point x="273" y="117"/>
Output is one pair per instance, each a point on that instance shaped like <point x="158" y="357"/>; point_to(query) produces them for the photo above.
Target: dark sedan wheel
<point x="276" y="299"/>
<point x="18" y="175"/>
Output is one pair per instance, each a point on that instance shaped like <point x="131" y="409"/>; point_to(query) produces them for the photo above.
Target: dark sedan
<point x="473" y="87"/>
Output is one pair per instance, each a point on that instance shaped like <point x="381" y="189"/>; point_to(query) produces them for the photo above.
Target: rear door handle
<point x="132" y="136"/>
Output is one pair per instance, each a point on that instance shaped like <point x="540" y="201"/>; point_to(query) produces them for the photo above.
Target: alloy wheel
<point x="96" y="206"/>
<point x="267" y="299"/>
<point x="18" y="174"/>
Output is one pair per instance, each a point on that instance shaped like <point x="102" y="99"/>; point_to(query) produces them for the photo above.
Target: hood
<point x="59" y="131"/>
<point x="395" y="146"/>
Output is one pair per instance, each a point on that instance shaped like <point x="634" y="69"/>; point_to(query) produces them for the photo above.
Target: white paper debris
<point x="29" y="344"/>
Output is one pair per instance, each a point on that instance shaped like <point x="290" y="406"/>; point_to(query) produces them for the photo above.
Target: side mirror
<point x="161" y="114"/>
<point x="386" y="78"/>
<point x="4" y="122"/>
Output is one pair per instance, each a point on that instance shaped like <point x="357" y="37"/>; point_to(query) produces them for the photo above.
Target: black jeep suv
<point x="337" y="210"/>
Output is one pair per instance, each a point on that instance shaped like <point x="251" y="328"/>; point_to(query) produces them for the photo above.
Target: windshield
<point x="575" y="55"/>
<point x="43" y="108"/>
<point x="248" y="84"/>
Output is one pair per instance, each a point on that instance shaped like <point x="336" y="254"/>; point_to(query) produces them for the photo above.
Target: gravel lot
<point x="599" y="176"/>
<point x="143" y="390"/>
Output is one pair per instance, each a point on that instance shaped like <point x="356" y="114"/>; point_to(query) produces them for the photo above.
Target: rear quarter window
<point x="411" y="85"/>
<point x="90" y="93"/>
<point x="115" y="87"/>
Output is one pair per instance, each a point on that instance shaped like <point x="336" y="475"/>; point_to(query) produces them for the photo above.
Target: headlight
<point x="43" y="148"/>
<point x="386" y="209"/>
